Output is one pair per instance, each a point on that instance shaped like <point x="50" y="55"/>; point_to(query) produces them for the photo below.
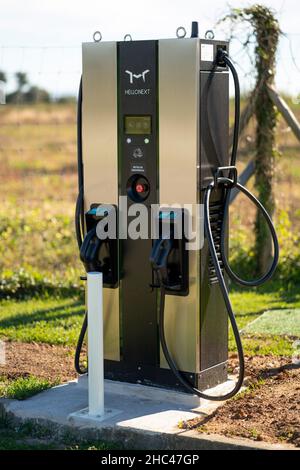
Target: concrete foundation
<point x="136" y="416"/>
<point x="141" y="407"/>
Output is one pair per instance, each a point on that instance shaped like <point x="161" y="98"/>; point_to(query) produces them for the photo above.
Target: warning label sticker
<point x="207" y="52"/>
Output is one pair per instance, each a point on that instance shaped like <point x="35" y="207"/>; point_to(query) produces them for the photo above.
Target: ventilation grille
<point x="216" y="218"/>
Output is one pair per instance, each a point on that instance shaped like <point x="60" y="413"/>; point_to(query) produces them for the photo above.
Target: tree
<point x="36" y="95"/>
<point x="3" y="76"/>
<point x="22" y="80"/>
<point x="265" y="32"/>
<point x="2" y="92"/>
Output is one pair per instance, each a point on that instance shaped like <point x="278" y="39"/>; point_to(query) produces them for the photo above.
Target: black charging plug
<point x="221" y="55"/>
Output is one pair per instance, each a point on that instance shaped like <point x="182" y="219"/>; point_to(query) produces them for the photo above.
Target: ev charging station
<point x="153" y="128"/>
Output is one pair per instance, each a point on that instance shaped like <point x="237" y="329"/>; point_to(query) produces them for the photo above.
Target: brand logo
<point x="137" y="91"/>
<point x="137" y="76"/>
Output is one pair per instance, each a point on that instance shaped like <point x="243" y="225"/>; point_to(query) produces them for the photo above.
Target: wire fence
<point x="56" y="68"/>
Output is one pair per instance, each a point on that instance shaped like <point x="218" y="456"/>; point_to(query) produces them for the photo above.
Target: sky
<point x="43" y="38"/>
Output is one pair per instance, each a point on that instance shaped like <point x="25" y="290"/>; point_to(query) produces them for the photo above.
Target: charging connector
<point x="221" y="54"/>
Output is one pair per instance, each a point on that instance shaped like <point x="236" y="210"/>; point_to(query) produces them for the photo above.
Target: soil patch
<point x="268" y="410"/>
<point x="40" y="360"/>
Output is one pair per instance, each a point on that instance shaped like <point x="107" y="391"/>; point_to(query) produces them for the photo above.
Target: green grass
<point x="265" y="345"/>
<point x="24" y="387"/>
<point x="250" y="305"/>
<point x="52" y="321"/>
<point x="276" y="322"/>
<point x="58" y="321"/>
<point x="14" y="442"/>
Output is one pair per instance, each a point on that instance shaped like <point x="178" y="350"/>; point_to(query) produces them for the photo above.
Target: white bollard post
<point x="95" y="343"/>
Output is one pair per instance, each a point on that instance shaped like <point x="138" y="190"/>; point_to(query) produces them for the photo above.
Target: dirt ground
<point x="41" y="360"/>
<point x="268" y="410"/>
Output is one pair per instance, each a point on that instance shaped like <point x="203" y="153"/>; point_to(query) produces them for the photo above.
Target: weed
<point x="24" y="387"/>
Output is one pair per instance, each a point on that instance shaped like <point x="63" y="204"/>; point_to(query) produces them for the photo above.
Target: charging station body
<point x="155" y="126"/>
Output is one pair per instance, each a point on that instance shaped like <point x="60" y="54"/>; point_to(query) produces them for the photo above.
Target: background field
<point x="39" y="187"/>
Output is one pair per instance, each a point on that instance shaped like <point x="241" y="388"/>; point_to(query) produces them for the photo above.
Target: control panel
<point x="137" y="119"/>
<point x="138" y="179"/>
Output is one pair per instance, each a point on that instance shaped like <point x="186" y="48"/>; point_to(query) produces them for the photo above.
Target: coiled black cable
<point x="228" y="183"/>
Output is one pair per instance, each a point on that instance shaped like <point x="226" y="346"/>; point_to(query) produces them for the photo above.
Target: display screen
<point x="137" y="124"/>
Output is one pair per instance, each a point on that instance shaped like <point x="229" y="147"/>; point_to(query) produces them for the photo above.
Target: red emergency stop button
<point x="140" y="188"/>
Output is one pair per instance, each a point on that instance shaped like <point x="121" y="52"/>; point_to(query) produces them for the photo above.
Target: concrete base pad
<point x="148" y="408"/>
<point x="139" y="416"/>
<point x="82" y="417"/>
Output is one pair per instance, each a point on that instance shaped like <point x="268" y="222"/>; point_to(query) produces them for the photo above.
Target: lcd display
<point x="137" y="125"/>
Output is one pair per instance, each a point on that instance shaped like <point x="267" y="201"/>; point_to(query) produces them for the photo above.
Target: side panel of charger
<point x="214" y="145"/>
<point x="194" y="127"/>
<point x="100" y="159"/>
<point x="179" y="63"/>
